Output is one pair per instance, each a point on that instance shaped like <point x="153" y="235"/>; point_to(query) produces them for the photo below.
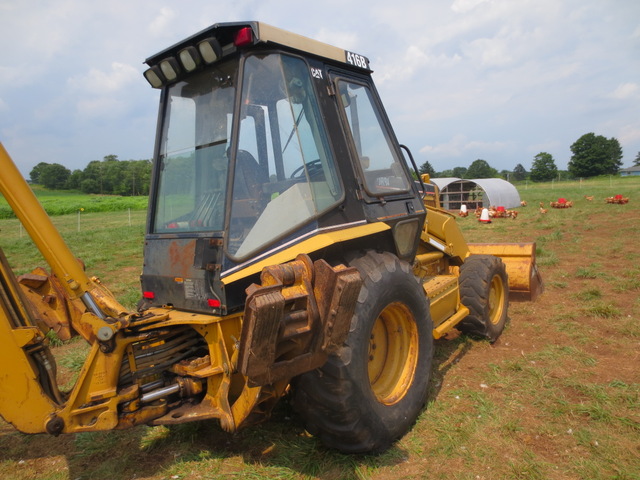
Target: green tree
<point x="481" y="169"/>
<point x="543" y="168"/>
<point x="74" y="181"/>
<point x="444" y="174"/>
<point x="139" y="176"/>
<point x="92" y="178"/>
<point x="113" y="176"/>
<point x="109" y="176"/>
<point x="459" y="172"/>
<point x="36" y="171"/>
<point x="90" y="185"/>
<point x="104" y="176"/>
<point x="54" y="176"/>
<point x="519" y="172"/>
<point x="636" y="162"/>
<point x="426" y="168"/>
<point x="595" y="155"/>
<point x="136" y="175"/>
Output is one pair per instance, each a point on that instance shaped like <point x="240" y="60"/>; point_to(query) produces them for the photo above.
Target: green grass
<point x="590" y="271"/>
<point x="629" y="281"/>
<point x="546" y="258"/>
<point x="109" y="244"/>
<point x="65" y="203"/>
<point x="72" y="360"/>
<point x="588" y="294"/>
<point x="602" y="310"/>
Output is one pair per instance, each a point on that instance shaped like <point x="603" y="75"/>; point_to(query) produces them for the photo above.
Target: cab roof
<point x="226" y="38"/>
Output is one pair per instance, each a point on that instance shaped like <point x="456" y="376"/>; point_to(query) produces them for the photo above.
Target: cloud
<point x="626" y="91"/>
<point x="491" y="52"/>
<point x="99" y="82"/>
<point x="549" y="146"/>
<point x="100" y="94"/>
<point x="465" y="6"/>
<point x="459" y="145"/>
<point x="160" y="23"/>
<point x="100" y="108"/>
<point x="339" y="38"/>
<point x="629" y="133"/>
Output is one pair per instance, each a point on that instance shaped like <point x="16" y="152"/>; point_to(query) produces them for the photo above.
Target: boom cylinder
<point x="41" y="230"/>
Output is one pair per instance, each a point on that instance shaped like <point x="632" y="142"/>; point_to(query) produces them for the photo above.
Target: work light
<point x="154" y="77"/>
<point x="210" y="49"/>
<point x="189" y="58"/>
<point x="170" y="68"/>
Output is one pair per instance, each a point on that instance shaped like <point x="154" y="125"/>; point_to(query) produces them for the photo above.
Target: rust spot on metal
<point x="181" y="257"/>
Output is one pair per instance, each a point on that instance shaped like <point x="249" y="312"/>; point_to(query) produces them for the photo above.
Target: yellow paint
<point x="308" y="246"/>
<point x="520" y="262"/>
<point x="393" y="354"/>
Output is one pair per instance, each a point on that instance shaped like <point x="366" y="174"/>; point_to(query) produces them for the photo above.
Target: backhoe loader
<point x="288" y="251"/>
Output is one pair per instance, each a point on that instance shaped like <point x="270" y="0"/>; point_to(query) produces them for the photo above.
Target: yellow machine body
<point x="525" y="281"/>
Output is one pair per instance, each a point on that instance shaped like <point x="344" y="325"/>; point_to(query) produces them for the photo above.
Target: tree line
<point x="592" y="155"/>
<point x="109" y="176"/>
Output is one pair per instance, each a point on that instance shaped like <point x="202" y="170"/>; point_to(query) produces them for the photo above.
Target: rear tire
<point x="484" y="290"/>
<point x="370" y="393"/>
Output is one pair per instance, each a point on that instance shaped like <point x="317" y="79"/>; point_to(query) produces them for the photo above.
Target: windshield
<point x="193" y="152"/>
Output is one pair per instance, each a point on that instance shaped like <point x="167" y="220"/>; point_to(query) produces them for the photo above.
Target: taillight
<point x="244" y="36"/>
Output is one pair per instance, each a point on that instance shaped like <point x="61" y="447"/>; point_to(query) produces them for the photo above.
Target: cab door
<point x="386" y="186"/>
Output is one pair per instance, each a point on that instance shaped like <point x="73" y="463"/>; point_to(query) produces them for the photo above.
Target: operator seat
<point x="249" y="177"/>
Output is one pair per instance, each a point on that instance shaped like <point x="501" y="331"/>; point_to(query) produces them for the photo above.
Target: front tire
<point x="484" y="290"/>
<point x="370" y="393"/>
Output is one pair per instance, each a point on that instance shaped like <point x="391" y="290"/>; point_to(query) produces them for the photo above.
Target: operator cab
<point x="247" y="157"/>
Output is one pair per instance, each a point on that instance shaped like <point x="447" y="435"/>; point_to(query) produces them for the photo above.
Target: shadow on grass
<point x="279" y="448"/>
<point x="447" y="352"/>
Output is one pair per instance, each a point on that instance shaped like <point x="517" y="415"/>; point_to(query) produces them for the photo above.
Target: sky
<point x="498" y="80"/>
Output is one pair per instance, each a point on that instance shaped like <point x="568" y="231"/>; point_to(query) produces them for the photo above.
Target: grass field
<point x="556" y="397"/>
<point x="64" y="203"/>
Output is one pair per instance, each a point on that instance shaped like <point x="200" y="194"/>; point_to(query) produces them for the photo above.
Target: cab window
<point x="193" y="162"/>
<point x="379" y="162"/>
<point x="285" y="174"/>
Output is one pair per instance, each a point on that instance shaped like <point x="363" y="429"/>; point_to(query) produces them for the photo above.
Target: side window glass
<point x="380" y="165"/>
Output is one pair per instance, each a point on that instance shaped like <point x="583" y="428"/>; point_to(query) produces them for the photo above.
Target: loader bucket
<point x="525" y="282"/>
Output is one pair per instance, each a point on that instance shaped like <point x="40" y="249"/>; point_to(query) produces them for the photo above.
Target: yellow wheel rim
<point x="393" y="353"/>
<point x="496" y="299"/>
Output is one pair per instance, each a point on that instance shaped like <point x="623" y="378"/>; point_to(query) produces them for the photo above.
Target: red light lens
<point x="213" y="302"/>
<point x="149" y="295"/>
<point x="244" y="36"/>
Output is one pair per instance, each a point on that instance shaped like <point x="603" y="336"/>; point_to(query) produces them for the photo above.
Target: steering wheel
<point x="314" y="168"/>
